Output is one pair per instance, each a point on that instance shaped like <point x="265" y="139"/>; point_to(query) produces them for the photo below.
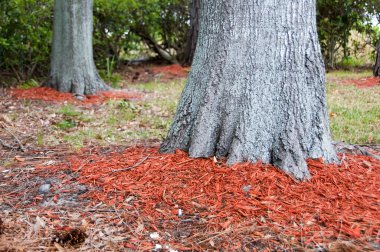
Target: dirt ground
<point x="130" y="198"/>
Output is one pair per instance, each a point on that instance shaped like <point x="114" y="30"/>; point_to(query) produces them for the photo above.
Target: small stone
<point x="158" y="247"/>
<point x="79" y="97"/>
<point x="50" y="162"/>
<point x="155" y="236"/>
<point x="247" y="188"/>
<point x="375" y="246"/>
<point x="44" y="189"/>
<point x="82" y="189"/>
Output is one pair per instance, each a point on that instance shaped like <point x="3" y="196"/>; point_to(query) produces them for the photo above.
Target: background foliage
<point x="140" y="29"/>
<point x="338" y="21"/>
<point x="25" y="34"/>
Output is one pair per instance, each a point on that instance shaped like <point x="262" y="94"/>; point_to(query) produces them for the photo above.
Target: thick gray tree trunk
<point x="376" y="70"/>
<point x="72" y="63"/>
<point x="256" y="90"/>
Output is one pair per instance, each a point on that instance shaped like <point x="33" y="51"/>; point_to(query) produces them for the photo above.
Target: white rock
<point x="155" y="236"/>
<point x="246" y="188"/>
<point x="50" y="162"/>
<point x="45" y="188"/>
<point x="158" y="247"/>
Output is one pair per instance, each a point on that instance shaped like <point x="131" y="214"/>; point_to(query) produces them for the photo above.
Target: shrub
<point x="26" y="30"/>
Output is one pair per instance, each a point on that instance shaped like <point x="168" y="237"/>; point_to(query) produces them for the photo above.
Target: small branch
<point x="367" y="153"/>
<point x="5" y="145"/>
<point x="100" y="211"/>
<point x="82" y="165"/>
<point x="21" y="146"/>
<point x="133" y="166"/>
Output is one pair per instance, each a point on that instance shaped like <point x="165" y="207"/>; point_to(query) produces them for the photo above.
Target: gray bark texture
<point x="72" y="63"/>
<point x="376" y="70"/>
<point x="256" y="91"/>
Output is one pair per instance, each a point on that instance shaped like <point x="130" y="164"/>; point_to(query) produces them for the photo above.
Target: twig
<point x="133" y="166"/>
<point x="21" y="146"/>
<point x="367" y="153"/>
<point x="225" y="232"/>
<point x="82" y="165"/>
<point x="6" y="145"/>
<point x="100" y="211"/>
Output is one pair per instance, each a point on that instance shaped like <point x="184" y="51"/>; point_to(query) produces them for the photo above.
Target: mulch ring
<point x="171" y="71"/>
<point x="165" y="73"/>
<point x="202" y="204"/>
<point x="52" y="95"/>
<point x="364" y="82"/>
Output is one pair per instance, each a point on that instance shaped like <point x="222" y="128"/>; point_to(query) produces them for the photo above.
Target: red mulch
<point x="52" y="95"/>
<point x="147" y="73"/>
<point x="363" y="83"/>
<point x="340" y="201"/>
<point x="171" y="71"/>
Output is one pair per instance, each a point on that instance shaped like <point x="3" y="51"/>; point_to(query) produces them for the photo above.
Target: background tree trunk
<point x="72" y="64"/>
<point x="376" y="70"/>
<point x="256" y="90"/>
<point x="193" y="33"/>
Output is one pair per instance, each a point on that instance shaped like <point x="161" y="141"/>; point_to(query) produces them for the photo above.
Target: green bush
<point x="25" y="35"/>
<point x="351" y="63"/>
<point x="112" y="31"/>
<point x="123" y="26"/>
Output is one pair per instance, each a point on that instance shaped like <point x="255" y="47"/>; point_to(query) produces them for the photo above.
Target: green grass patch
<point x="66" y="124"/>
<point x="354" y="113"/>
<point x="29" y="84"/>
<point x="69" y="110"/>
<point x="342" y="74"/>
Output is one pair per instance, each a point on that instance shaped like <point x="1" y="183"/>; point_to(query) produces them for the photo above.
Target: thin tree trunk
<point x="376" y="70"/>
<point x="256" y="90"/>
<point x="72" y="63"/>
<point x="331" y="53"/>
<point x="193" y="33"/>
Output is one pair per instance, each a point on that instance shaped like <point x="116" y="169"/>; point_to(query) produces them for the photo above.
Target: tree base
<point x="256" y="91"/>
<point x="79" y="88"/>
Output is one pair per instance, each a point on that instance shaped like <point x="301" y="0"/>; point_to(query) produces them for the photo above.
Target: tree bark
<point x="256" y="91"/>
<point x="72" y="63"/>
<point x="376" y="70"/>
<point x="193" y="33"/>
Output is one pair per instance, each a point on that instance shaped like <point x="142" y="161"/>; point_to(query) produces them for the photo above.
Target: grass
<point x="118" y="121"/>
<point x="29" y="84"/>
<point x="354" y="114"/>
<point x="69" y="110"/>
<point x="348" y="74"/>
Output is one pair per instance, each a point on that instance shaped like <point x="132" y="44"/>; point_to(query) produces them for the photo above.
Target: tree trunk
<point x="256" y="91"/>
<point x="376" y="70"/>
<point x="331" y="53"/>
<point x="193" y="33"/>
<point x="72" y="63"/>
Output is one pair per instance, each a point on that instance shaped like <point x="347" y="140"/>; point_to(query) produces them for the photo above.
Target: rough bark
<point x="193" y="33"/>
<point x="256" y="91"/>
<point x="72" y="63"/>
<point x="376" y="70"/>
